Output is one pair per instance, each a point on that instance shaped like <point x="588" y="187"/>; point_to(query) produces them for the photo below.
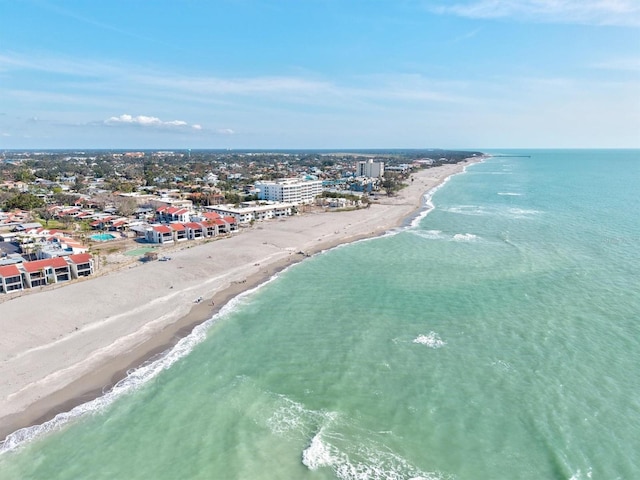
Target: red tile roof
<point x="36" y="266"/>
<point x="80" y="258"/>
<point x="162" y="229"/>
<point x="178" y="227"/>
<point x="9" y="271"/>
<point x="194" y="225"/>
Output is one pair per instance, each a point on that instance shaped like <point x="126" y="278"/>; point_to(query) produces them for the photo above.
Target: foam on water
<point x="510" y="194"/>
<point x="317" y="454"/>
<point x="579" y="476"/>
<point x="339" y="444"/>
<point x="366" y="461"/>
<point x="431" y="340"/>
<point x="292" y="417"/>
<point x="439" y="235"/>
<point x="479" y="211"/>
<point x="464" y="237"/>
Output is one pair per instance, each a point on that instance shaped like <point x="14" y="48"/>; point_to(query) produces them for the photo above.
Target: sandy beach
<point x="60" y="348"/>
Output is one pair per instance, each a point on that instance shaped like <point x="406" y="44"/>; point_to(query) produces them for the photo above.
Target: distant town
<point x="63" y="212"/>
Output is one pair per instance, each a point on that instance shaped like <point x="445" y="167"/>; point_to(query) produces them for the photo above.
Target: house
<point x="44" y="272"/>
<point x="211" y="227"/>
<point x="226" y="225"/>
<point x="159" y="234"/>
<point x="195" y="230"/>
<point x="10" y="279"/>
<point x="173" y="214"/>
<point x="179" y="231"/>
<point x="81" y="265"/>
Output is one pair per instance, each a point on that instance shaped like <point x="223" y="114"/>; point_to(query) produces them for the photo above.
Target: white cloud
<point x="588" y="12"/>
<point x="225" y="131"/>
<point x="620" y="64"/>
<point x="147" y="121"/>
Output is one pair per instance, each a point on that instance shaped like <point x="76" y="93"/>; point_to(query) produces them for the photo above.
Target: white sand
<point x="60" y="347"/>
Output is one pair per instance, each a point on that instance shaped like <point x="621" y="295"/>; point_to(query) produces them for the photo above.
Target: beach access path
<point x="60" y="348"/>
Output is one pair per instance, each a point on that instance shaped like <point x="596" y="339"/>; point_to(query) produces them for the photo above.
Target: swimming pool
<point x="102" y="237"/>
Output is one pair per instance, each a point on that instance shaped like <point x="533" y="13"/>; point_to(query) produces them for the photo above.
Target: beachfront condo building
<point x="248" y="212"/>
<point x="370" y="169"/>
<point x="289" y="190"/>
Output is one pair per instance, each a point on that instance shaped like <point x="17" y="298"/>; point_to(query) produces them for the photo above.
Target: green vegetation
<point x="24" y="201"/>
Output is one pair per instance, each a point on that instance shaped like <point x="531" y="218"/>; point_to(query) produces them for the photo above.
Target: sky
<point x="319" y="74"/>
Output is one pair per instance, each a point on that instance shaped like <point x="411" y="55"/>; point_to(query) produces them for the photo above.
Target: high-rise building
<point x="289" y="190"/>
<point x="370" y="168"/>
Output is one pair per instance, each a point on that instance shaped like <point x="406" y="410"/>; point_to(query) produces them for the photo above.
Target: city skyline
<point x="320" y="74"/>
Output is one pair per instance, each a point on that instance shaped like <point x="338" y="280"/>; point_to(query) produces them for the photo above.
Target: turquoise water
<point x="497" y="338"/>
<point x="102" y="237"/>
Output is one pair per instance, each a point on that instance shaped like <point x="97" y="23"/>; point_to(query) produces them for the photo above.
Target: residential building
<point x="10" y="279"/>
<point x="81" y="265"/>
<point x="44" y="272"/>
<point x="173" y="214"/>
<point x="289" y="190"/>
<point x="253" y="211"/>
<point x="179" y="231"/>
<point x="370" y="168"/>
<point x="159" y="234"/>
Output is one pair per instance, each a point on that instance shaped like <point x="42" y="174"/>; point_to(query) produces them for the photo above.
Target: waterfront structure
<point x="81" y="265"/>
<point x="371" y="169"/>
<point x="248" y="212"/>
<point x="10" y="279"/>
<point x="289" y="190"/>
<point x="178" y="232"/>
<point x="44" y="272"/>
<point x="39" y="273"/>
<point x="159" y="234"/>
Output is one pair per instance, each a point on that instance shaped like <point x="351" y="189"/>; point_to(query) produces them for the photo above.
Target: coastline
<point x="91" y="334"/>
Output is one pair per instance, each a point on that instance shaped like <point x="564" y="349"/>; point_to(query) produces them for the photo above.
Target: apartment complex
<point x="289" y="190"/>
<point x="248" y="212"/>
<point x="39" y="273"/>
<point x="370" y="168"/>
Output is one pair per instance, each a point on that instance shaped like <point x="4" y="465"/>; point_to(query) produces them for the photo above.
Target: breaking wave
<point x="479" y="210"/>
<point x="332" y="441"/>
<point x="431" y="340"/>
<point x="365" y="461"/>
<point x="464" y="237"/>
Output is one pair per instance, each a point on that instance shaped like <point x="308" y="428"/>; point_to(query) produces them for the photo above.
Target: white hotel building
<point x="290" y="190"/>
<point x="371" y="169"/>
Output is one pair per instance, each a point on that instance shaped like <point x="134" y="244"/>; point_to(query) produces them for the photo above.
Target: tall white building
<point x="290" y="190"/>
<point x="370" y="168"/>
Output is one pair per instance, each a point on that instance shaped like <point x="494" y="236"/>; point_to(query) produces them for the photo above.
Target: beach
<point x="64" y="347"/>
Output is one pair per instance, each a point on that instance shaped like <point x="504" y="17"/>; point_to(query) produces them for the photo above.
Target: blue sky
<point x="320" y="74"/>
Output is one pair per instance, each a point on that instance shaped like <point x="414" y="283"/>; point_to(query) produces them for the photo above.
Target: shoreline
<point x="34" y="395"/>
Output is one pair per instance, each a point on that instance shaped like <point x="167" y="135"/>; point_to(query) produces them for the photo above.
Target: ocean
<point x="496" y="337"/>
